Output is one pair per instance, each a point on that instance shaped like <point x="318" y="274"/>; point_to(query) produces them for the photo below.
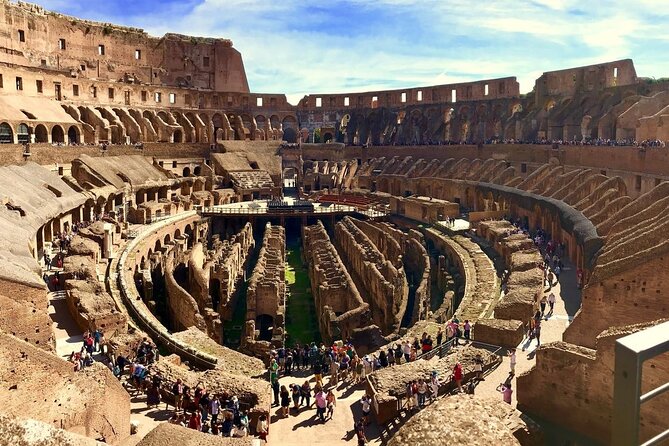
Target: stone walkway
<point x="305" y="427"/>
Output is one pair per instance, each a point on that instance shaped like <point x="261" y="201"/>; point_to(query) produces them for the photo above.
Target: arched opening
<point x="157" y="246"/>
<point x="327" y="137"/>
<point x="215" y="293"/>
<point x="186" y="172"/>
<point x="57" y="134"/>
<point x="290" y="135"/>
<point x="6" y="134"/>
<point x="188" y="232"/>
<point x="41" y="134"/>
<point x="178" y="136"/>
<point x="197" y="170"/>
<point x="23" y="134"/>
<point x="167" y="239"/>
<point x="265" y="324"/>
<point x="73" y="135"/>
<point x="177" y="233"/>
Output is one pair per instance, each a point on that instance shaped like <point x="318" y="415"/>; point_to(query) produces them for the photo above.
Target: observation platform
<point x="287" y="206"/>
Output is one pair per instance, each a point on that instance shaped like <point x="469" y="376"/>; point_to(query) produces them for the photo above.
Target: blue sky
<point x="300" y="46"/>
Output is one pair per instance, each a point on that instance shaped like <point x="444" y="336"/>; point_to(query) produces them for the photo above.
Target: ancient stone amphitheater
<point x="178" y="208"/>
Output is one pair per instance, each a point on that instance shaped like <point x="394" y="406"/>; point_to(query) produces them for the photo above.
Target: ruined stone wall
<point x="409" y="249"/>
<point x="580" y="382"/>
<point x="339" y="307"/>
<point x="82" y="48"/>
<point x="24" y="314"/>
<point x="42" y="386"/>
<point x="266" y="292"/>
<point x="228" y="265"/>
<point x="184" y="311"/>
<point x="631" y="296"/>
<point x="385" y="285"/>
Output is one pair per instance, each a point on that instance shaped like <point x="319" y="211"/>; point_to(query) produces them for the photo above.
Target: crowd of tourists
<point x="611" y="142"/>
<point x="213" y="413"/>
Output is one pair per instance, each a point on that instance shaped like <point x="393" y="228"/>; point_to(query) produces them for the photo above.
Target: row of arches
<point x="23" y="133"/>
<point x="122" y="125"/>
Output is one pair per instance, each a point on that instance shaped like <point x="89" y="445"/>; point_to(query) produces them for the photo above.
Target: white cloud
<point x="326" y="46"/>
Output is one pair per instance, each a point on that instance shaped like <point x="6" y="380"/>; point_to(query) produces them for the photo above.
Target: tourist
<point x="579" y="278"/>
<point x="318" y="370"/>
<point x="204" y="406"/>
<point x="273" y="370"/>
<point x="406" y="350"/>
<point x="478" y="367"/>
<point x="344" y="366"/>
<point x="306" y="394"/>
<point x="321" y="404"/>
<point x="512" y="360"/>
<point x="457" y="375"/>
<point x="331" y="403"/>
<point x="97" y="339"/>
<point x="295" y="392"/>
<point x="549" y="279"/>
<point x="537" y="333"/>
<point x="365" y="401"/>
<point x="542" y="304"/>
<point x="275" y="391"/>
<point x="261" y="427"/>
<point x="214" y="408"/>
<point x="242" y="425"/>
<point x="551" y="302"/>
<point x="153" y="396"/>
<point x="413" y="355"/>
<point x="440" y="336"/>
<point x="195" y="421"/>
<point x="289" y="363"/>
<point x="505" y="390"/>
<point x="285" y="401"/>
<point x="434" y="386"/>
<point x="422" y="390"/>
<point x="450" y="332"/>
<point x="334" y="372"/>
<point x="468" y="329"/>
<point x="360" y="432"/>
<point x="557" y="270"/>
<point x="383" y="359"/>
<point x="409" y="395"/>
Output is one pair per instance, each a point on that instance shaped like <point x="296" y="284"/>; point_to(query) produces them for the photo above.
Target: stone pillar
<point x="108" y="241"/>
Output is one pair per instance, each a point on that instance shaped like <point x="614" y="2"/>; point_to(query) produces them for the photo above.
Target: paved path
<point x="305" y="428"/>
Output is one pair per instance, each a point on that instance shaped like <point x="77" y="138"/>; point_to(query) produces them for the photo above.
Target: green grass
<point x="301" y="321"/>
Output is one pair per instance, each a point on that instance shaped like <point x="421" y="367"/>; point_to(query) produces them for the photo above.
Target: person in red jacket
<point x="457" y="375"/>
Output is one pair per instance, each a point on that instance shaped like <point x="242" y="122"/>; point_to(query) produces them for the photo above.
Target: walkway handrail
<point x="631" y="352"/>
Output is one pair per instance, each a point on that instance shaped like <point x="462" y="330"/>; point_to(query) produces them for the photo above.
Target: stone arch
<point x="289" y="122"/>
<point x="23" y="133"/>
<point x="265" y="325"/>
<point x="178" y="136"/>
<point x="177" y="233"/>
<point x="261" y="123"/>
<point x="57" y="134"/>
<point x="167" y="239"/>
<point x="186" y="172"/>
<point x="158" y="246"/>
<point x="41" y="134"/>
<point x="6" y="134"/>
<point x="197" y="171"/>
<point x="73" y="135"/>
<point x="290" y="135"/>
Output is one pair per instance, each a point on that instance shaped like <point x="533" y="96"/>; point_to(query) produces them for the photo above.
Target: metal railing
<point x="631" y="352"/>
<point x="261" y="210"/>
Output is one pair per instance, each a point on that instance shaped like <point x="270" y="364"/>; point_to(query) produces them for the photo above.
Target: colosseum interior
<point x="203" y="228"/>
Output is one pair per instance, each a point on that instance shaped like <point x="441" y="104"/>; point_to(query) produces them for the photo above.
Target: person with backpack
<point x="177" y="391"/>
